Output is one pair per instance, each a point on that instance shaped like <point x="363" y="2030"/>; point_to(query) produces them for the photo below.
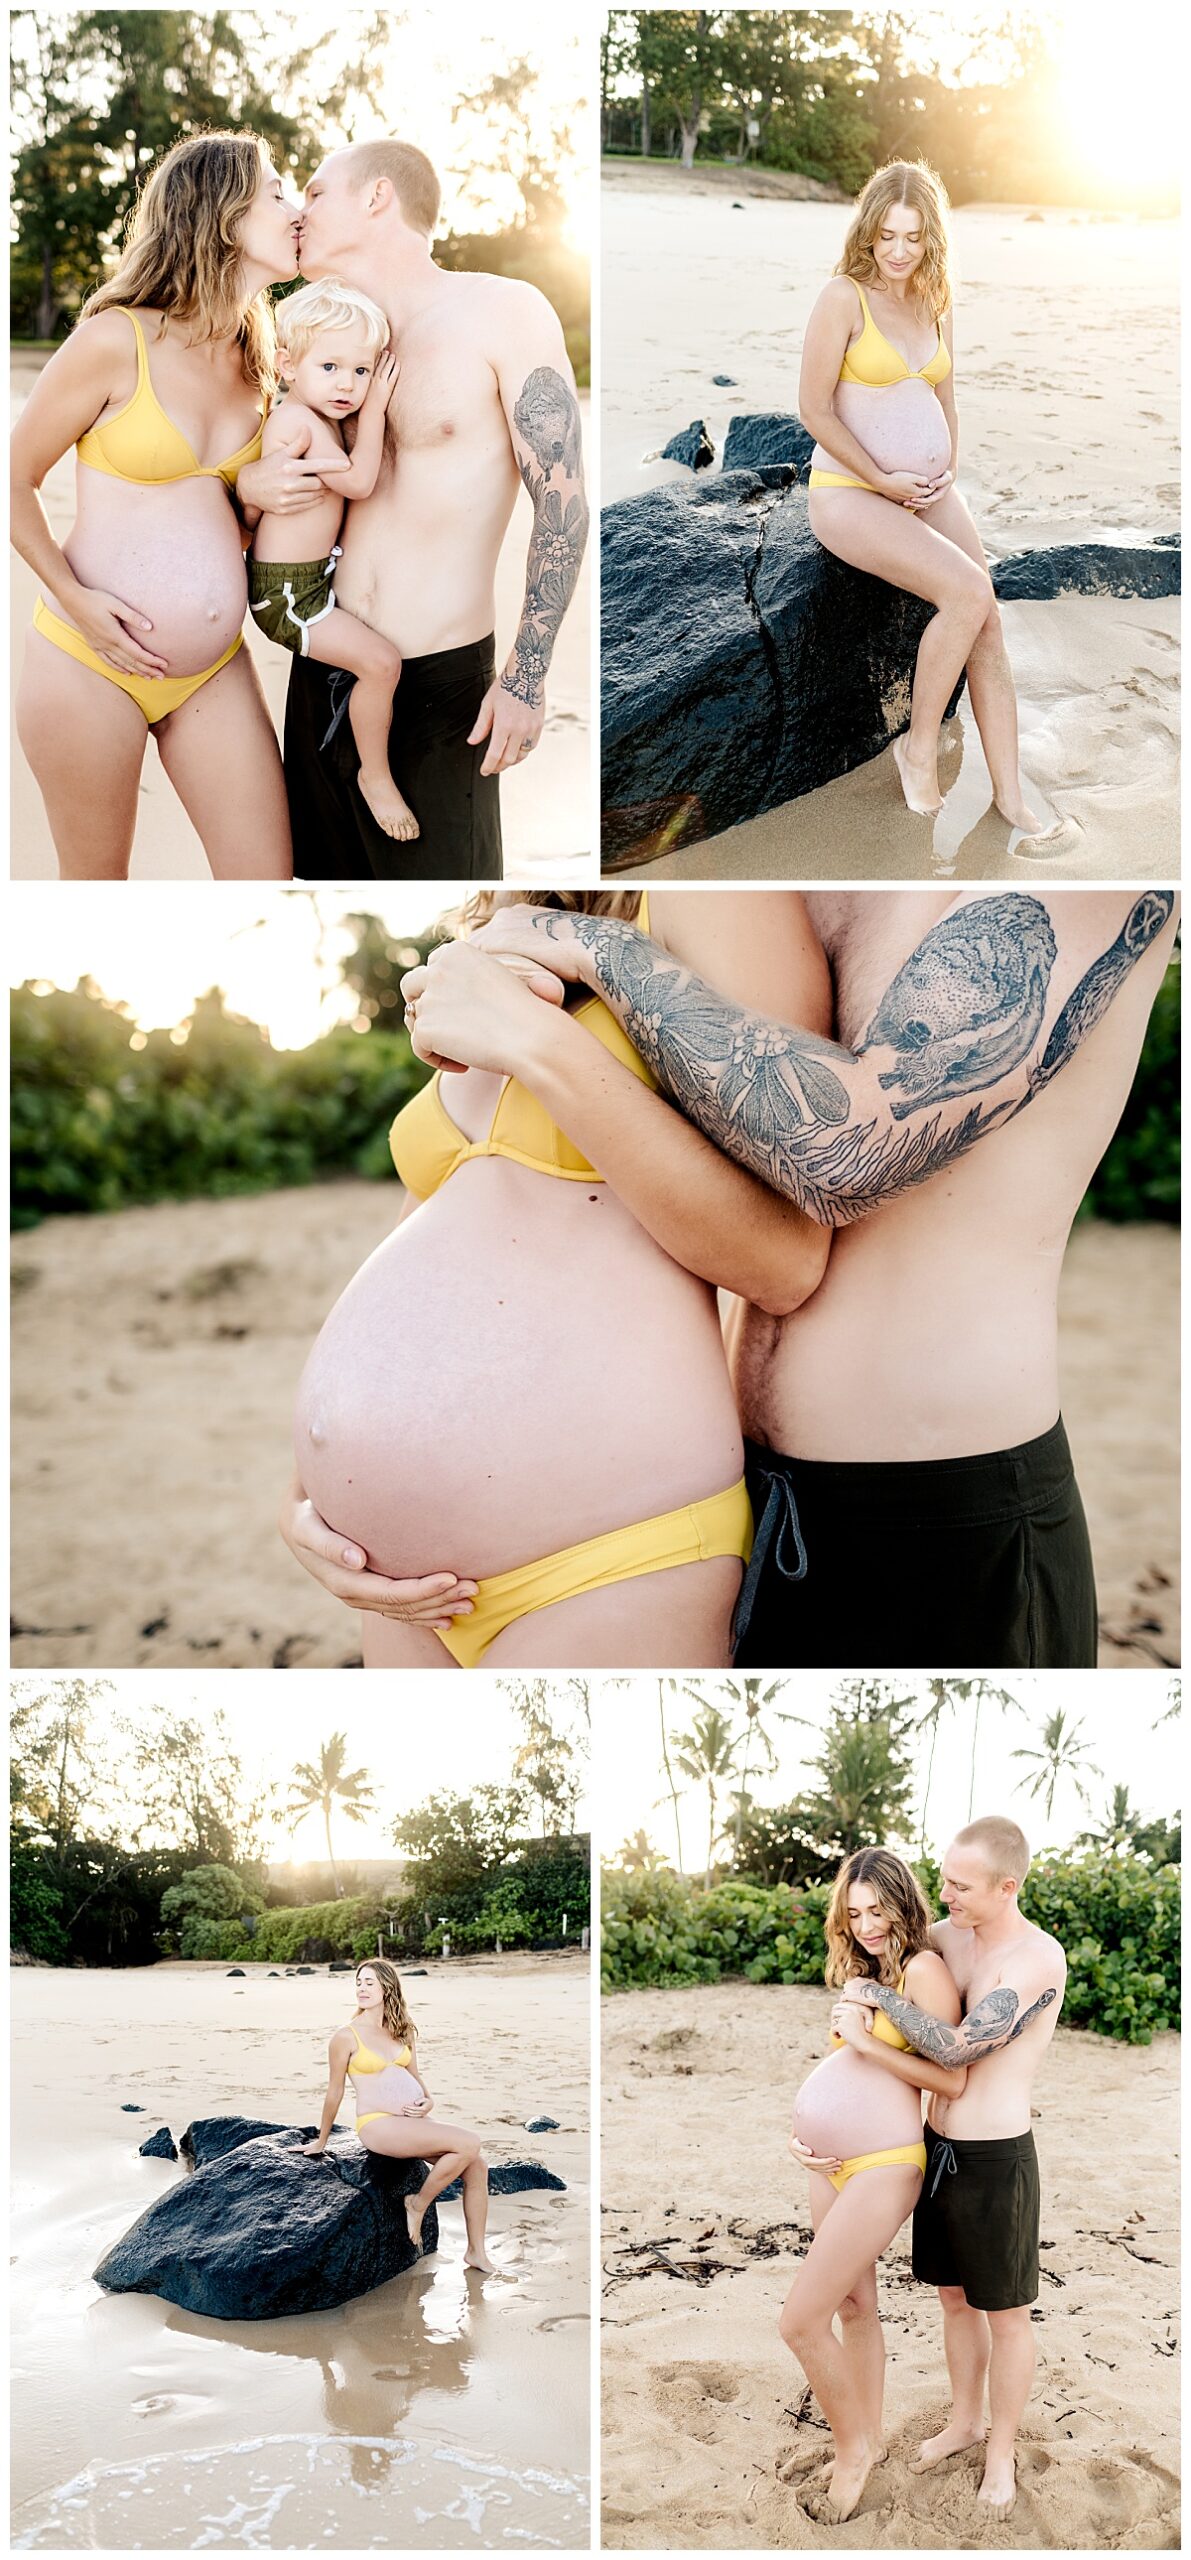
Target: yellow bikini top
<point x="142" y="444"/>
<point x="883" y="2027"/>
<point x="875" y="361"/>
<point x="364" y="2061"/>
<point x="427" y="1147"/>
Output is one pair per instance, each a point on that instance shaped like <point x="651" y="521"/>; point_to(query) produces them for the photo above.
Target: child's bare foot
<point x="955" y="2438"/>
<point x="415" y="2215"/>
<point x="998" y="2489"/>
<point x="920" y="782"/>
<point x="388" y="808"/>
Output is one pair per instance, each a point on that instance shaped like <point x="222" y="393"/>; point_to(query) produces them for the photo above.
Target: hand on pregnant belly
<point x="431" y="1599"/>
<point x="848" y="2105"/>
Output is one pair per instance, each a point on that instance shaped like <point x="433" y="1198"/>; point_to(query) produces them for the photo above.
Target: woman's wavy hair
<point x="905" y="1907"/>
<point x="397" y="2020"/>
<point x="914" y="183"/>
<point x="479" y="908"/>
<point x="182" y="248"/>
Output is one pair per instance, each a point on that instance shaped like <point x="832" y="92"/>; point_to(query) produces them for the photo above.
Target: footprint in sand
<point x="1108" y="2501"/>
<point x="681" y="2393"/>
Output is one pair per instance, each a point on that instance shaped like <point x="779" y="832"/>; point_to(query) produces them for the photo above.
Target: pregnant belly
<point x="390" y="2090"/>
<point x="902" y="427"/>
<point x="848" y="2106"/>
<point x="517" y="1368"/>
<point x="172" y="553"/>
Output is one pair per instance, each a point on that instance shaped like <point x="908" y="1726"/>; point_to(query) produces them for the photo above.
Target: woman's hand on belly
<point x="809" y="2159"/>
<point x="110" y="626"/>
<point x="432" y="1599"/>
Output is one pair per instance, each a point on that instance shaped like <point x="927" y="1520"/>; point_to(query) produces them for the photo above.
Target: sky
<point x="1116" y="1712"/>
<point x="162" y="944"/>
<point x="412" y="1742"/>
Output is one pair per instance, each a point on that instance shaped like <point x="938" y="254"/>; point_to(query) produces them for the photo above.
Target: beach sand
<point x="546" y="809"/>
<point x="710" y="2438"/>
<point x="438" y="2412"/>
<point x="155" y="1356"/>
<point x="1066" y="340"/>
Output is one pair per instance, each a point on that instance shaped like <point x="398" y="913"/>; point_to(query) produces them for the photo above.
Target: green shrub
<point x="211" y="1941"/>
<point x="1139" y="1175"/>
<point x="34" y="1903"/>
<point x="1117" y="1920"/>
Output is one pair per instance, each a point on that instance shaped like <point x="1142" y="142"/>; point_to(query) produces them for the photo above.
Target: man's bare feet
<point x="955" y="2438"/>
<point x="845" y="2485"/>
<point x="388" y="808"/>
<point x="998" y="2489"/>
<point x="415" y="2215"/>
<point x="920" y="783"/>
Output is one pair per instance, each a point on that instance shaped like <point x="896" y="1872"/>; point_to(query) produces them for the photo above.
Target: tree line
<point x="834" y="93"/>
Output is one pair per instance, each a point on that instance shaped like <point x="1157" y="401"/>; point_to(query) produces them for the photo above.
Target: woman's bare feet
<point x="955" y="2438"/>
<point x="482" y="2261"/>
<point x="388" y="808"/>
<point x="920" y="782"/>
<point x="845" y="2484"/>
<point x="415" y="2215"/>
<point x="998" y="2489"/>
<point x="1018" y="813"/>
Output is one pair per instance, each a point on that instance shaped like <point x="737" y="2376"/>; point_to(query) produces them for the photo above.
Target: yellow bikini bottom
<point x="374" y="2112"/>
<point x="154" y="696"/>
<point x="720" y="1526"/>
<point x="913" y="2154"/>
<point x="840" y="480"/>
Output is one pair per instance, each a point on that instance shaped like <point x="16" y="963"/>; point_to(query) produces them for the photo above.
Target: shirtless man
<point x="976" y="2220"/>
<point x="912" y="1485"/>
<point x="484" y="394"/>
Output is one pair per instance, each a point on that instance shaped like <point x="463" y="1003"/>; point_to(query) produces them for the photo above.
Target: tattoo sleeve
<point x="954" y="1049"/>
<point x="547" y="445"/>
<point x="992" y="2023"/>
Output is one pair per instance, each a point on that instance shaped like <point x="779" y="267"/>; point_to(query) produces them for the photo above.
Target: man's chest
<point x="446" y="397"/>
<point x="867" y="936"/>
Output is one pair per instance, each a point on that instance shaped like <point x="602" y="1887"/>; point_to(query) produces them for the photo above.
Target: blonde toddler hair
<point x="329" y="304"/>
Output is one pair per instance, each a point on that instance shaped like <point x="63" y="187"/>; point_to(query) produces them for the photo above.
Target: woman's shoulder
<point x="345" y="2035"/>
<point x="924" y="1968"/>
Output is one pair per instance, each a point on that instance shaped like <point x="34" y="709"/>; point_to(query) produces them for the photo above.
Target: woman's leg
<point x="454" y="2153"/>
<point x="889" y="542"/>
<point x="676" y="1620"/>
<point x="990" y="678"/>
<point x="221" y="754"/>
<point x="850" y="2238"/>
<point x="85" y="743"/>
<point x="390" y="1644"/>
<point x="861" y="2334"/>
<point x="341" y="641"/>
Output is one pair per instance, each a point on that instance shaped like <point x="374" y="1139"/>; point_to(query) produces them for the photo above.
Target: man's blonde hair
<point x="330" y="304"/>
<point x="1002" y="1844"/>
<point x="413" y="179"/>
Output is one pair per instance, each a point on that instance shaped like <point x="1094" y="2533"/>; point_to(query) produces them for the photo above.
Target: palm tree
<point x="1062" y="1755"/>
<point x="662" y="1687"/>
<point x="707" y="1754"/>
<point x="327" y="1783"/>
<point x="947" y="1697"/>
<point x="750" y="1696"/>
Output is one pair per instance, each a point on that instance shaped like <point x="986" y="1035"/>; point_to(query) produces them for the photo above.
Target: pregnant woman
<point x="526" y="1384"/>
<point x="162" y="389"/>
<point x="859" y="2132"/>
<point x="878" y="391"/>
<point x="395" y="2115"/>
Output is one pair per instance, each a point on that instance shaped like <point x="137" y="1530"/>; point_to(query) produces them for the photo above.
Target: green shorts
<point x="286" y="596"/>
<point x="976" y="2220"/>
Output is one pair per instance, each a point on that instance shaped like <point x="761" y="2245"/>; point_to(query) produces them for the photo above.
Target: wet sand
<point x="157" y="1351"/>
<point x="1066" y="335"/>
<point x="710" y="2439"/>
<point x="546" y="809"/>
<point x="442" y="2411"/>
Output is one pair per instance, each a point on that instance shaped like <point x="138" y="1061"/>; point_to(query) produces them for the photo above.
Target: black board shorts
<point x="457" y="808"/>
<point x="976" y="2220"/>
<point x="957" y="1564"/>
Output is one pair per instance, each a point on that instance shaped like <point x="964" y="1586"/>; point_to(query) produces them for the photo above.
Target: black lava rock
<point x="510" y="2178"/>
<point x="130" y="2108"/>
<point x="773" y="435"/>
<point x="542" y="2124"/>
<point x="1090" y="569"/>
<point x="234" y="1971"/>
<point x="691" y="445"/>
<point x="274" y="1976"/>
<point x="724" y="381"/>
<point x="742" y="664"/>
<point x="160" y="2146"/>
<point x="263" y="2230"/>
<point x="303" y="1968"/>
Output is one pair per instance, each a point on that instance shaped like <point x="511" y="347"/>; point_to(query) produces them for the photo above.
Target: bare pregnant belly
<point x="848" y="2106"/>
<point x="171" y="552"/>
<point x="517" y="1368"/>
<point x="388" y="2090"/>
<point x="902" y="427"/>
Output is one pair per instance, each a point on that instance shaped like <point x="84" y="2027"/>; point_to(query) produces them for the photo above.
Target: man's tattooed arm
<point x="546" y="441"/>
<point x="995" y="2021"/>
<point x="957" y="1045"/>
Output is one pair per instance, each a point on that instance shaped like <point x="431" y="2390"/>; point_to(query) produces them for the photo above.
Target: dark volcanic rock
<point x="510" y="2178"/>
<point x="691" y="445"/>
<point x="542" y="2124"/>
<point x="131" y="2108"/>
<point x="263" y="2230"/>
<point x="303" y="1968"/>
<point x="742" y="664"/>
<point x="234" y="1970"/>
<point x="772" y="435"/>
<point x="724" y="381"/>
<point x="1090" y="569"/>
<point x="160" y="2145"/>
